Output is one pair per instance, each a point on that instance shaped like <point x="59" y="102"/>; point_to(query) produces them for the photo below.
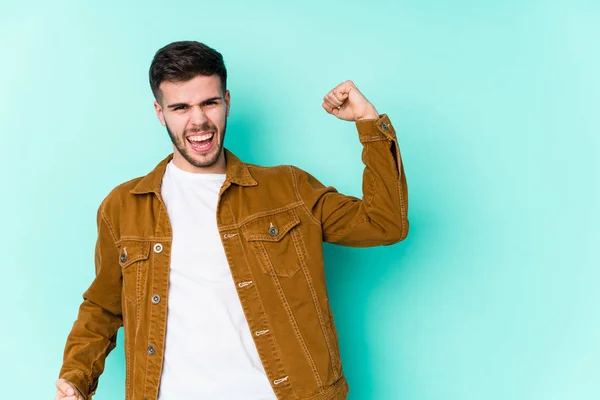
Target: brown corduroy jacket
<point x="273" y="222"/>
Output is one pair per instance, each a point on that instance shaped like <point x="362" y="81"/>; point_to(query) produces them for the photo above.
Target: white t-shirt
<point x="209" y="351"/>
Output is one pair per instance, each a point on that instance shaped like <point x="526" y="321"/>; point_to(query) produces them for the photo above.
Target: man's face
<point x="195" y="114"/>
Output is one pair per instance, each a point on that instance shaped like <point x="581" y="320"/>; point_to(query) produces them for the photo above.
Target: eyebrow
<point x="203" y="103"/>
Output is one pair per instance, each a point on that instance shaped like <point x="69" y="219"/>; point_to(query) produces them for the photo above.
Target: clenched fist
<point x="67" y="391"/>
<point x="346" y="102"/>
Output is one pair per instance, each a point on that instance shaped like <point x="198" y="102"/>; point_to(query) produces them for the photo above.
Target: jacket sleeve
<point x="94" y="333"/>
<point x="380" y="217"/>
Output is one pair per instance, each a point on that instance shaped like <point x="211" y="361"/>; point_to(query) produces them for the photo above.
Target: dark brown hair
<point x="184" y="60"/>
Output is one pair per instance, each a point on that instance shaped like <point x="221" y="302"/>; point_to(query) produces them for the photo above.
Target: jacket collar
<point x="236" y="172"/>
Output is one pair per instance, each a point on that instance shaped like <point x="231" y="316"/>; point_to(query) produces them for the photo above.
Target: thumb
<point x="342" y="96"/>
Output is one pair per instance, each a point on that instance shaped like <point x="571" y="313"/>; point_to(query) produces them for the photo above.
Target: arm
<point x="380" y="218"/>
<point x="94" y="333"/>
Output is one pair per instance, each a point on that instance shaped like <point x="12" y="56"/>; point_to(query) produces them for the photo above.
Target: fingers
<point x="66" y="391"/>
<point x="331" y="104"/>
<point x="64" y="387"/>
<point x="61" y="396"/>
<point x="345" y="101"/>
<point x="335" y="98"/>
<point x="330" y="109"/>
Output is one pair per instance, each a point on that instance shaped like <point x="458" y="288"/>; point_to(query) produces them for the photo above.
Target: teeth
<point x="200" y="138"/>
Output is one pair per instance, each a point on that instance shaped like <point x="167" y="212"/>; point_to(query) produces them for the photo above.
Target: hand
<point x="346" y="102"/>
<point x="65" y="390"/>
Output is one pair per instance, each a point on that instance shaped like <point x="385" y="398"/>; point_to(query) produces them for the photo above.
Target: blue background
<point x="493" y="296"/>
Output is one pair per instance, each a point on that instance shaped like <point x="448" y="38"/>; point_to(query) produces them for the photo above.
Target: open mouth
<point x="201" y="142"/>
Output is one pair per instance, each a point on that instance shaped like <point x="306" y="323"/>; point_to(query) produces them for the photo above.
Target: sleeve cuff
<point x="370" y="130"/>
<point x="78" y="380"/>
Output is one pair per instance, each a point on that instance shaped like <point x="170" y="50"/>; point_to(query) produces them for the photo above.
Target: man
<point x="214" y="267"/>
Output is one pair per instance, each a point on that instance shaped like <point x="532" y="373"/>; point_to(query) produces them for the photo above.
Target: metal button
<point x="158" y="248"/>
<point x="384" y="126"/>
<point x="123" y="257"/>
<point x="155" y="299"/>
<point x="273" y="231"/>
<point x="151" y="350"/>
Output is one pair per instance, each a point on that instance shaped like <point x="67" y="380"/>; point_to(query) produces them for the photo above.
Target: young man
<point x="214" y="267"/>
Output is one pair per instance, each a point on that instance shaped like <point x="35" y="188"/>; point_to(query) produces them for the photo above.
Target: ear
<point x="227" y="102"/>
<point x="159" y="113"/>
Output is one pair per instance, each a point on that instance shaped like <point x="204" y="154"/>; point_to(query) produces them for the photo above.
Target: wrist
<point x="371" y="114"/>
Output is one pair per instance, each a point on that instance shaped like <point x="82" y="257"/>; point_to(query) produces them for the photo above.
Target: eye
<point x="182" y="107"/>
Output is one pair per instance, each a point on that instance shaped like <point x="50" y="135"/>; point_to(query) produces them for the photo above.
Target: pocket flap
<point x="271" y="228"/>
<point x="132" y="251"/>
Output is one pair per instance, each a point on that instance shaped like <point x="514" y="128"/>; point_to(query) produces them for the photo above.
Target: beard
<point x="210" y="159"/>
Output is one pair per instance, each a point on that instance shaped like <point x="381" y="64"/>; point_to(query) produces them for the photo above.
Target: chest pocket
<point x="274" y="239"/>
<point x="133" y="258"/>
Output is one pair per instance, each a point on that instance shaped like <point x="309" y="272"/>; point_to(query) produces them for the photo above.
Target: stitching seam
<point x="300" y="249"/>
<point x="290" y="314"/>
<point x="299" y="198"/>
<point x="259" y="215"/>
<point x="266" y="317"/>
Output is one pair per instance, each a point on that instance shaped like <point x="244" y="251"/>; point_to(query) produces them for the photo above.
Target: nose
<point x="198" y="117"/>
